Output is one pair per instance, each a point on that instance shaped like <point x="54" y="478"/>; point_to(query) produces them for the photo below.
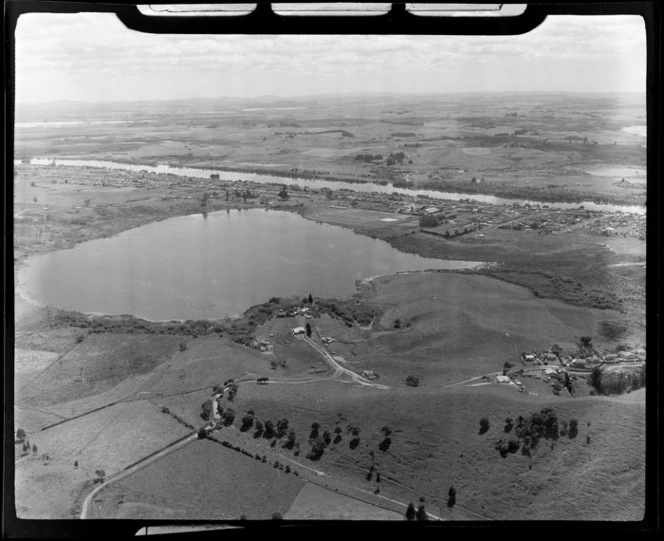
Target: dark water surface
<point x="196" y="267"/>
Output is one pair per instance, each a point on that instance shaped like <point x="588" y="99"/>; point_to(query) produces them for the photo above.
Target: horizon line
<point x="325" y="94"/>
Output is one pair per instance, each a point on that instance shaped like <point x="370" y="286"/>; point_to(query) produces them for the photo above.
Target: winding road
<point x="85" y="510"/>
<point x="340" y="370"/>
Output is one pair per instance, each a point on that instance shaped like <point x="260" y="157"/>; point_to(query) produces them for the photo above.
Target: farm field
<point x="316" y="503"/>
<point x="69" y="454"/>
<point x="216" y="483"/>
<point x="446" y="142"/>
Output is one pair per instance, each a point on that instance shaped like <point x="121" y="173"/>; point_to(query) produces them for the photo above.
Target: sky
<point x="94" y="57"/>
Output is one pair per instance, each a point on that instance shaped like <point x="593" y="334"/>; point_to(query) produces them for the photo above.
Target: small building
<point x="502" y="379"/>
<point x="578" y="363"/>
<point x="369" y="374"/>
<point x="298" y="331"/>
<point x="214" y="176"/>
<point x="551" y="357"/>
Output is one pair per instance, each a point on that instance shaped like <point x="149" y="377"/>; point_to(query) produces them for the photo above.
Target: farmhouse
<point x="578" y="363"/>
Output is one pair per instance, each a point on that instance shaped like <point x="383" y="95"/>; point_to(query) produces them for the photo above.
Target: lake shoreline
<point x="22" y="265"/>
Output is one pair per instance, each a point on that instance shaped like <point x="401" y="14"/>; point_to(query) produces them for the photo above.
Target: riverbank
<point x="484" y="192"/>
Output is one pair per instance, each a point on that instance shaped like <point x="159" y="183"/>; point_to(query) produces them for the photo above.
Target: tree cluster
<point x="608" y="383"/>
<point x="207" y="410"/>
<point x="368" y="157"/>
<point x="527" y="432"/>
<point x="431" y="220"/>
<point x="395" y="157"/>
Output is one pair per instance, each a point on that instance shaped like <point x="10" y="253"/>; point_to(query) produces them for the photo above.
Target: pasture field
<point x="454" y="326"/>
<point x="202" y="480"/>
<point x="435" y="444"/>
<point x="96" y="364"/>
<point x="110" y="439"/>
<point x="317" y="503"/>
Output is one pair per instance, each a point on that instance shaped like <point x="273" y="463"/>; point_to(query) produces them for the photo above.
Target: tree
<point x="20" y="434"/>
<point x="573" y="427"/>
<point x="258" y="425"/>
<point x="386" y="430"/>
<point x="207" y="410"/>
<point x="34" y="448"/>
<point x="509" y="423"/>
<point x="596" y="379"/>
<point x="311" y="299"/>
<point x="451" y="497"/>
<point x="75" y="463"/>
<point x="317" y="450"/>
<point x="290" y="440"/>
<point x="247" y="422"/>
<point x="282" y="427"/>
<point x="410" y="512"/>
<point x="421" y="513"/>
<point x="202" y="434"/>
<point x="269" y="429"/>
<point x="385" y="444"/>
<point x="314" y="430"/>
<point x="101" y="476"/>
<point x="308" y="329"/>
<point x="277" y="516"/>
<point x="484" y="425"/>
<point x="412" y="381"/>
<point x="228" y="416"/>
<point x="327" y="437"/>
<point x="283" y="194"/>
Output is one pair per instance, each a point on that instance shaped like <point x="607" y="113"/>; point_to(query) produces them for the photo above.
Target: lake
<point x="196" y="267"/>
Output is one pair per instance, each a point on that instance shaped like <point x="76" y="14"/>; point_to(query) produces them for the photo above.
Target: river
<point x="196" y="267"/>
<point x="317" y="184"/>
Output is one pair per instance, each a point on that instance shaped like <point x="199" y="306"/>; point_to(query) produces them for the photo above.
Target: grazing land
<point x="348" y="408"/>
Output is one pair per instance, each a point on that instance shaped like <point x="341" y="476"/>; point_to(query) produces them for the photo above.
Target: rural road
<point x="338" y="369"/>
<point x="121" y="475"/>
